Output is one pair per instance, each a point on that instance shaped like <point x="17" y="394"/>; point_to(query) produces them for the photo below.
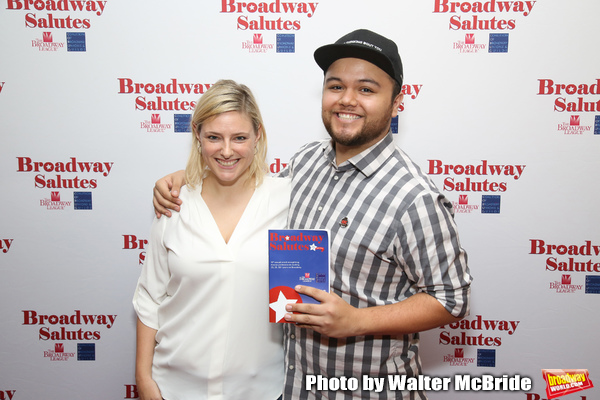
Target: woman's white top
<point x="209" y="300"/>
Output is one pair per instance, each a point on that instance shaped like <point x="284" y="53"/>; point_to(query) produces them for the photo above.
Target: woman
<point x="202" y="297"/>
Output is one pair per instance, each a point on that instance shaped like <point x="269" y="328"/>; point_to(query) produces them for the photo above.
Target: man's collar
<point x="369" y="160"/>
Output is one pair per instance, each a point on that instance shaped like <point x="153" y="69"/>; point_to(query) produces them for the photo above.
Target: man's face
<point x="357" y="104"/>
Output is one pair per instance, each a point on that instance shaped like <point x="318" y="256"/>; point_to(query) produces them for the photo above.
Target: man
<point x="397" y="264"/>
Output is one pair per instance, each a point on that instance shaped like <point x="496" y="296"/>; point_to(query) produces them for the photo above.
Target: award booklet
<point x="296" y="257"/>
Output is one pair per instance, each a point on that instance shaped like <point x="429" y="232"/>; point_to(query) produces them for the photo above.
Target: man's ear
<point x="397" y="103"/>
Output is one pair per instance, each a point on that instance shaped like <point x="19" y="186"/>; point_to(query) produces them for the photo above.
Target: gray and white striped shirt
<point x="392" y="235"/>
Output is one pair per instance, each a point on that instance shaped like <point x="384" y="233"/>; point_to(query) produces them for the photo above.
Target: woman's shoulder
<point x="275" y="184"/>
<point x="277" y="189"/>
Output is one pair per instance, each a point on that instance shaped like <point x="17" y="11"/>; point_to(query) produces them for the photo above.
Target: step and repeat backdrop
<point x="501" y="109"/>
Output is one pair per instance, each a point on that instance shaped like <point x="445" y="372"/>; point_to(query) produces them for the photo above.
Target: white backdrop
<point x="502" y="109"/>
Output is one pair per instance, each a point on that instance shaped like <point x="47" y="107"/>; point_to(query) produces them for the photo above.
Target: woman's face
<point x="228" y="143"/>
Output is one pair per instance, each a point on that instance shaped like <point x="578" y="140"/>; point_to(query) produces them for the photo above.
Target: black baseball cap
<point x="366" y="45"/>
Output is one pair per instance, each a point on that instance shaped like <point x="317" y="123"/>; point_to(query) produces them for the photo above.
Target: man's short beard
<point x="369" y="132"/>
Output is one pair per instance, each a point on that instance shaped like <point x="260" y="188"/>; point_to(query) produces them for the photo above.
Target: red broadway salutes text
<point x="57" y="5"/>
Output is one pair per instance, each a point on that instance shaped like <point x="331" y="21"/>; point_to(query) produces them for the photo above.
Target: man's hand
<point x="333" y="317"/>
<point x="166" y="193"/>
<point x="336" y="318"/>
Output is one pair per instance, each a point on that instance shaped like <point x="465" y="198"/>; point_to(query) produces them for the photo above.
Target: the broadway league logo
<point x="58" y="354"/>
<point x="573" y="127"/>
<point x="565" y="286"/>
<point x="307" y="278"/>
<point x="458" y="359"/>
<point x="54" y="203"/>
<point x="463" y="205"/>
<point x="46" y="43"/>
<point x="257" y="45"/>
<point x="469" y="45"/>
<point x="155" y="125"/>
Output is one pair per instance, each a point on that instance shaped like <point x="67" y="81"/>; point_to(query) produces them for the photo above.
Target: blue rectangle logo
<point x="597" y="125"/>
<point x="286" y="43"/>
<point x="498" y="43"/>
<point x="86" y="351"/>
<point x="82" y="200"/>
<point x="395" y="124"/>
<point x="592" y="284"/>
<point x="182" y="122"/>
<point x="75" y="41"/>
<point x="490" y="204"/>
<point x="486" y="358"/>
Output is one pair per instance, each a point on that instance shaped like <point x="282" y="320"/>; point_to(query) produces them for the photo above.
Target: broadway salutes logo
<point x="62" y="14"/>
<point x="574" y="127"/>
<point x="493" y="15"/>
<point x="565" y="285"/>
<point x="58" y="354"/>
<point x="469" y="45"/>
<point x="46" y="43"/>
<point x="257" y="45"/>
<point x="274" y="16"/>
<point x="566" y="92"/>
<point x="155" y="125"/>
<point x="54" y="202"/>
<point x="458" y="359"/>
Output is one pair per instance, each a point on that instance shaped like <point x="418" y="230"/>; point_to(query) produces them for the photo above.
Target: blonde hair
<point x="224" y="96"/>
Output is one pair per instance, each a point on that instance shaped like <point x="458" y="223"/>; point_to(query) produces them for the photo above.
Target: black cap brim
<point x="328" y="54"/>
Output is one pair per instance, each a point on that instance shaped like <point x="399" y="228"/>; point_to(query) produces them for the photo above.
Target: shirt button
<point x="291" y="367"/>
<point x="292" y="336"/>
<point x="320" y="208"/>
<point x="336" y="178"/>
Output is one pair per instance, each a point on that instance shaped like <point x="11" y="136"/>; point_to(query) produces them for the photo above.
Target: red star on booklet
<point x="279" y="297"/>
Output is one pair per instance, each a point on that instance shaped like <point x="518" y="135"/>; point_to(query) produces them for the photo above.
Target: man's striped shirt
<point x="392" y="235"/>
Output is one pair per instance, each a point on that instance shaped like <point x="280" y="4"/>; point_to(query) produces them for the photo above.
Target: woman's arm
<point x="145" y="343"/>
